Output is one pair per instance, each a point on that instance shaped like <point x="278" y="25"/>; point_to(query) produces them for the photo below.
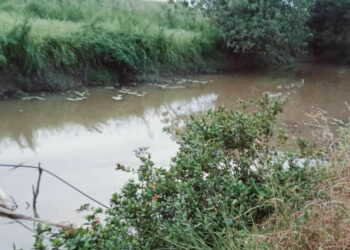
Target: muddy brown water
<point x="82" y="141"/>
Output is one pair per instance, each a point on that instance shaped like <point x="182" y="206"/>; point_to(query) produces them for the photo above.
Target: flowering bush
<point x="223" y="179"/>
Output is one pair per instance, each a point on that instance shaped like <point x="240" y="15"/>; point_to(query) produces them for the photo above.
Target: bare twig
<point x="24" y="226"/>
<point x="36" y="192"/>
<point x="15" y="205"/>
<point x="57" y="177"/>
<point x="321" y="121"/>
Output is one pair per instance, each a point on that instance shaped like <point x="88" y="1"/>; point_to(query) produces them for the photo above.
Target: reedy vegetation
<point x="323" y="222"/>
<point x="130" y="36"/>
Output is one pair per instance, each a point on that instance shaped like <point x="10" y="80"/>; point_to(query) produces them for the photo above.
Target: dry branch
<point x="57" y="177"/>
<point x="17" y="216"/>
<point x="36" y="192"/>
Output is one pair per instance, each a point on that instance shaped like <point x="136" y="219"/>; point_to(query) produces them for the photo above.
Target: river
<point x="82" y="141"/>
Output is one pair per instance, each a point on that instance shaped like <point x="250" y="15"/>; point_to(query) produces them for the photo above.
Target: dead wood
<point x="17" y="216"/>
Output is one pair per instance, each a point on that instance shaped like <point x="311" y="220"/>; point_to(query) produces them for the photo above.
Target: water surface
<point x="82" y="141"/>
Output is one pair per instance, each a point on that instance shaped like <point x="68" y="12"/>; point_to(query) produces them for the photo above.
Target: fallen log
<point x="17" y="216"/>
<point x="7" y="209"/>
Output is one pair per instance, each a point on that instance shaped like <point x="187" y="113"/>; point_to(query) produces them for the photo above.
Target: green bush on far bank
<point x="270" y="32"/>
<point x="261" y="33"/>
<point x="330" y="22"/>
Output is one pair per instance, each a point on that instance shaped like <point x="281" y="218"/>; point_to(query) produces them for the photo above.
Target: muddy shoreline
<point x="14" y="85"/>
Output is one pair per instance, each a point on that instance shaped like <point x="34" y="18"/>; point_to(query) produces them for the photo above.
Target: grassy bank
<point x="47" y="43"/>
<point x="52" y="45"/>
<point x="323" y="221"/>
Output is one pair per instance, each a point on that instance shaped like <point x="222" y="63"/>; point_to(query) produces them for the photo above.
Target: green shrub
<point x="330" y="22"/>
<point x="223" y="179"/>
<point x="261" y="32"/>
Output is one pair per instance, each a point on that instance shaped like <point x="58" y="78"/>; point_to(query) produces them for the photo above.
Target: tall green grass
<point x="129" y="36"/>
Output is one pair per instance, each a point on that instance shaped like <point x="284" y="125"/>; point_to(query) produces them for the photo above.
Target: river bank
<point x="17" y="86"/>
<point x="82" y="141"/>
<point x="51" y="46"/>
<point x="57" y="45"/>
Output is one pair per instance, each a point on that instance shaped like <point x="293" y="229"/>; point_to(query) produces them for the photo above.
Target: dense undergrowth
<point x="224" y="182"/>
<point x="93" y="38"/>
<point x="323" y="222"/>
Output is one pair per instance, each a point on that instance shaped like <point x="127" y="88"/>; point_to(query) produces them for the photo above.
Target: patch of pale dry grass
<point x="323" y="222"/>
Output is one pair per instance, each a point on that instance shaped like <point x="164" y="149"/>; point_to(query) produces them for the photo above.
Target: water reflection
<point x="82" y="141"/>
<point x="325" y="86"/>
<point x="21" y="121"/>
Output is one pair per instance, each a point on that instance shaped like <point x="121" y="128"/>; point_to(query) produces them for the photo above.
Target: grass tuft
<point x="129" y="37"/>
